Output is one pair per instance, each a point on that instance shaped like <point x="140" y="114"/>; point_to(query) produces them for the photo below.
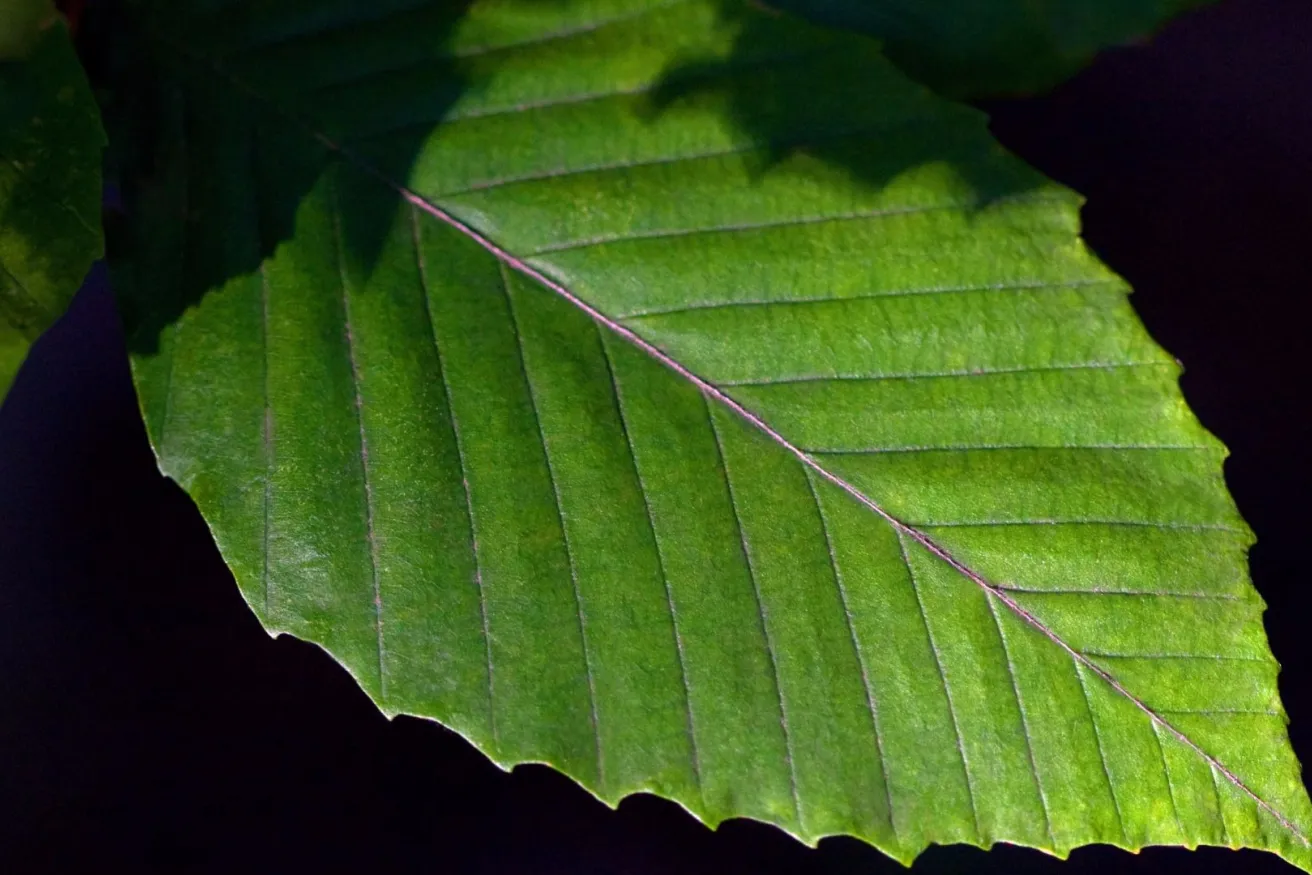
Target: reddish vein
<point x="710" y="391"/>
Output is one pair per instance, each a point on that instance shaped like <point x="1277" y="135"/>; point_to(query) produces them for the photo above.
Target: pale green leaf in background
<point x="50" y="142"/>
<point x="673" y="393"/>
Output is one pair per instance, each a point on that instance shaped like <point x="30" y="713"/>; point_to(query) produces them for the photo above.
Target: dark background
<point x="147" y="722"/>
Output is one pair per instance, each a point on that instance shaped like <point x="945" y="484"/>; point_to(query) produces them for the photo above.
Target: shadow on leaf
<point x="966" y="48"/>
<point x="196" y="147"/>
<point x="807" y="92"/>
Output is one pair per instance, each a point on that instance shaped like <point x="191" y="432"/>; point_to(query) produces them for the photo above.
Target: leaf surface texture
<point x="675" y="394"/>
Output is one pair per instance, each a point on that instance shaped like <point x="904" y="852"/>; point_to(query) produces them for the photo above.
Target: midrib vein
<point x="712" y="392"/>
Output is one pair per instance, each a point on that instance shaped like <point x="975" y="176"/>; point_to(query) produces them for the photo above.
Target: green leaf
<point x="22" y="26"/>
<point x="50" y="142"/>
<point x="966" y="48"/>
<point x="673" y="393"/>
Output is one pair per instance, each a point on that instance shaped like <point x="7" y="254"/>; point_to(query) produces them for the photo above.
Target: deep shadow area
<point x="216" y="136"/>
<point x="797" y="88"/>
<point x="972" y="48"/>
<point x="149" y="724"/>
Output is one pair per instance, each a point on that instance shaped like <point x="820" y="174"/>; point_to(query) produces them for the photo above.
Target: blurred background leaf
<point x="969" y="48"/>
<point x="50" y="142"/>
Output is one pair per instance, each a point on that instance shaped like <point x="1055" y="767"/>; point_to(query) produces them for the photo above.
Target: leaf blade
<point x="976" y="667"/>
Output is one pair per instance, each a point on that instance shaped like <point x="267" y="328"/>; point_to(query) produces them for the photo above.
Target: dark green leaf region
<point x="50" y="144"/>
<point x="979" y="48"/>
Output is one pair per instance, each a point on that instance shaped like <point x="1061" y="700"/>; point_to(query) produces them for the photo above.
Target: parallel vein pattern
<point x="947" y="560"/>
<point x="764" y="619"/>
